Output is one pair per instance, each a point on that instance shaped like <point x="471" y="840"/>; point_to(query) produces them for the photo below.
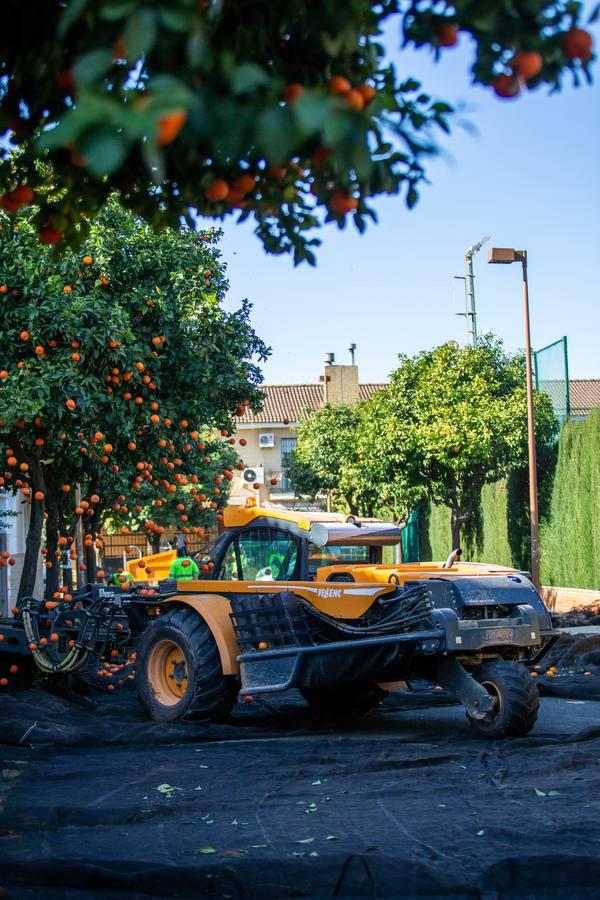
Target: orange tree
<point x="290" y="112"/>
<point x="117" y="358"/>
<point x="191" y="509"/>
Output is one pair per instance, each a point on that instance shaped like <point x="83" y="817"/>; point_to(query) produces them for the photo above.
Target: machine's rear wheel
<point x="344" y="702"/>
<point x="178" y="671"/>
<point x="516" y="699"/>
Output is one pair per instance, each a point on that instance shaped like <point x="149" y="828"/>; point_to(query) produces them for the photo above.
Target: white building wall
<point x="13" y="540"/>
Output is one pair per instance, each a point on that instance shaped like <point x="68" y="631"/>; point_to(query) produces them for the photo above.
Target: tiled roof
<point x="290" y="402"/>
<point x="585" y="395"/>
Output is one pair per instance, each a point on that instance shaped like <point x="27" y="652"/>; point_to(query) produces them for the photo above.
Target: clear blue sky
<point x="530" y="178"/>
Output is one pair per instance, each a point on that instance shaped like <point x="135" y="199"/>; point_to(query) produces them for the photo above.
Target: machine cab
<point x="260" y="544"/>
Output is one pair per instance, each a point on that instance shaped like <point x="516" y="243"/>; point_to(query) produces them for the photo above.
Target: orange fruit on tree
<point x="67" y="289"/>
<point x="244" y="183"/>
<point x="293" y="92"/>
<point x="217" y="190"/>
<point x="23" y="194"/>
<point x="169" y="126"/>
<point x="506" y="86"/>
<point x="527" y="64"/>
<point x="39" y="495"/>
<point x="446" y="34"/>
<point x="49" y="235"/>
<point x="70" y="404"/>
<point x="338" y="85"/>
<point x="75" y="357"/>
<point x="39" y="350"/>
<point x="355" y="99"/>
<point x="577" y="44"/>
<point x="3" y="289"/>
<point x="341" y="202"/>
<point x="274" y="171"/>
<point x="368" y="93"/>
<point x="24" y="335"/>
<point x="88" y="260"/>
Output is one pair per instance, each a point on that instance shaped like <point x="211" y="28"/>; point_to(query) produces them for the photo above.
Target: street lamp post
<point x="504" y="255"/>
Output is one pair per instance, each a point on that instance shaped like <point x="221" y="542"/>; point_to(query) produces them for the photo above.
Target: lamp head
<point x="505" y="255"/>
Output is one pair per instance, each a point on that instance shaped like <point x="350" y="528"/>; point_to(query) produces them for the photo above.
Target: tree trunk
<point x="34" y="535"/>
<point x="52" y="535"/>
<point x="89" y="555"/>
<point x="154" y="541"/>
<point x="455" y="523"/>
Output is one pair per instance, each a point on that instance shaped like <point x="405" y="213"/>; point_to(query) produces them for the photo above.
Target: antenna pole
<point x="470" y="298"/>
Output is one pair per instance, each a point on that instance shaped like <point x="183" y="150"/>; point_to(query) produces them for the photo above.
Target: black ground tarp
<point x="97" y="801"/>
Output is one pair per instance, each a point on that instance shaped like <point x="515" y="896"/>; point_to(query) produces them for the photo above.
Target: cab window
<point x="331" y="556"/>
<point x="266" y="554"/>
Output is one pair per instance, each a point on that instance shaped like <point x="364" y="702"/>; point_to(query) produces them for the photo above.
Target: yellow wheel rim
<point x="167" y="672"/>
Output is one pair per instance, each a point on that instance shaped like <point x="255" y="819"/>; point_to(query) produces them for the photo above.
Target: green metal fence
<point x="551" y="367"/>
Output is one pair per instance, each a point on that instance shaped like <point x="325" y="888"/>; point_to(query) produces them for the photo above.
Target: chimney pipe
<point x="329" y="359"/>
<point x="352" y="349"/>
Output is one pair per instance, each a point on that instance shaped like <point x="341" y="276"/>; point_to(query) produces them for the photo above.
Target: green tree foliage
<point x="289" y="112"/>
<point x="333" y="455"/>
<point x="452" y="420"/>
<point x="326" y="457"/>
<point x="117" y="359"/>
<point x="570" y="538"/>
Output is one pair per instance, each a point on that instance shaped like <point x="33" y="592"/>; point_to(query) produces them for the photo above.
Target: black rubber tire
<point x="517" y="695"/>
<point x="349" y="701"/>
<point x="208" y="695"/>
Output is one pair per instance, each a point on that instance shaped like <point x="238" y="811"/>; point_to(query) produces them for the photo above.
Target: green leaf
<point x="539" y="793"/>
<point x="103" y="150"/>
<point x="275" y="137"/>
<point x="176" y="17"/>
<point x="140" y="33"/>
<point x="311" y="112"/>
<point x="248" y="77"/>
<point x="306" y="841"/>
<point x="553" y="793"/>
<point x="90" y="68"/>
<point x="205" y="850"/>
<point x="412" y="196"/>
<point x="70" y="15"/>
<point x="113" y="10"/>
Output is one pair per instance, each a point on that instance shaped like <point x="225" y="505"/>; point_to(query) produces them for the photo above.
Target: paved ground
<point x="407" y="803"/>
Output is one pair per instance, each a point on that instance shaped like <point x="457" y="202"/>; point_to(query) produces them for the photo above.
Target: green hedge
<point x="569" y="492"/>
<point x="570" y="538"/>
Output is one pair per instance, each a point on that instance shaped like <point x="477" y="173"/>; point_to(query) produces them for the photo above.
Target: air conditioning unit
<point x="255" y="475"/>
<point x="266" y="439"/>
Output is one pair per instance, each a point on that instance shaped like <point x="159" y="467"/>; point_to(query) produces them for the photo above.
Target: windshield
<point x="331" y="556"/>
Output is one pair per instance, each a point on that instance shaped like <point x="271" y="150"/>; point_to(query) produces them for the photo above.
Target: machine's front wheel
<point x="344" y="702"/>
<point x="516" y="699"/>
<point x="178" y="671"/>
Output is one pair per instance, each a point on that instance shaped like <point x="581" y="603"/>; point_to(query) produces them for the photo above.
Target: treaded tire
<point x="349" y="701"/>
<point x="517" y="698"/>
<point x="208" y="695"/>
